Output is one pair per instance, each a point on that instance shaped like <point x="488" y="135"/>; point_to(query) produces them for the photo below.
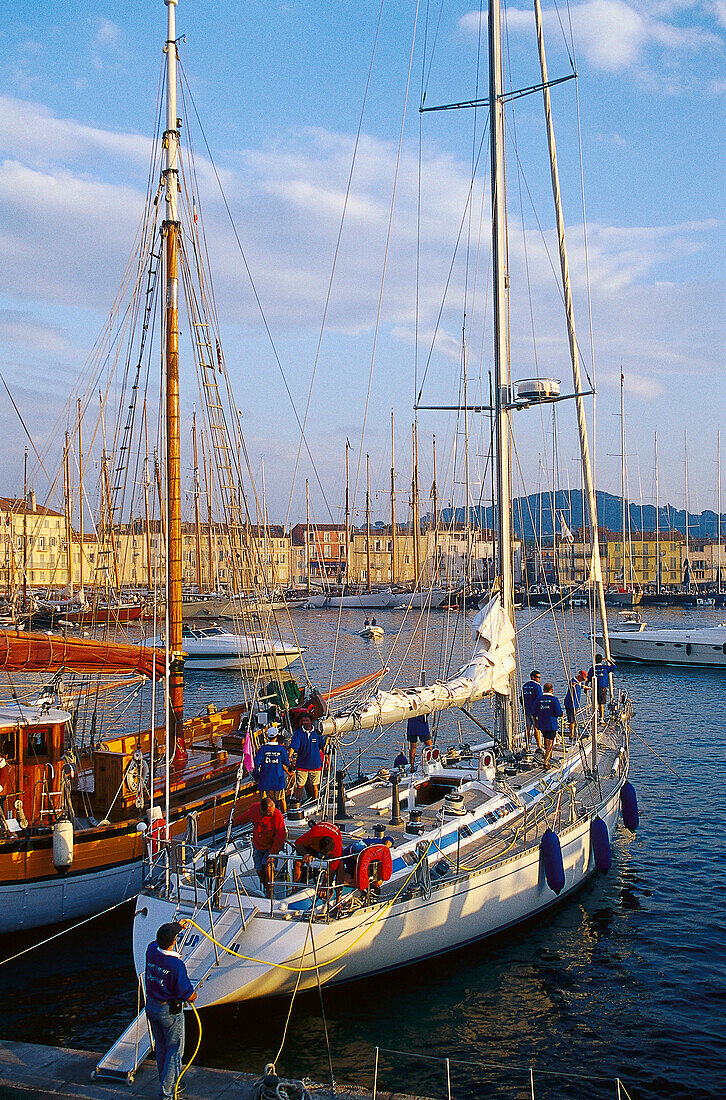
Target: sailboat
<point x="475" y="839"/>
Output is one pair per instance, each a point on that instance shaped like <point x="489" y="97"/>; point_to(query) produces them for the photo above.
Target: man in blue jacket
<point x="531" y="695"/>
<point x="309" y="747"/>
<point x="167" y="988"/>
<point x="272" y="767"/>
<point x="573" y="699"/>
<point x="601" y="675"/>
<point x="548" y="720"/>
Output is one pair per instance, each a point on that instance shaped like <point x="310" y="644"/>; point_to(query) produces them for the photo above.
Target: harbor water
<point x="626" y="979"/>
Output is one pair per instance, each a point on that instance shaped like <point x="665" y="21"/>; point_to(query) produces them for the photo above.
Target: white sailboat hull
<point x="377" y="600"/>
<point x="29" y="904"/>
<point x="382" y="937"/>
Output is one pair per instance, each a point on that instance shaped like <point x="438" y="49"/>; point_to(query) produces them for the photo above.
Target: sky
<point x="296" y="100"/>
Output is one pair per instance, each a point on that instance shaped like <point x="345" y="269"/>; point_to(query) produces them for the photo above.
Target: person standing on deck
<point x="572" y="700"/>
<point x="549" y="713"/>
<point x="600" y="673"/>
<point x="268" y="837"/>
<point x="417" y="729"/>
<point x="272" y="767"/>
<point x="167" y="989"/>
<point x="531" y="695"/>
<point x="309" y="749"/>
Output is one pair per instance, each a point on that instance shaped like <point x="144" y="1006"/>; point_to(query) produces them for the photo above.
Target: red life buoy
<point x="376" y="853"/>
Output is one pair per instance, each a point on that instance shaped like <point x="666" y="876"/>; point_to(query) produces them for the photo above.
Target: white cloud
<point x="613" y="35"/>
<point x="107" y="32"/>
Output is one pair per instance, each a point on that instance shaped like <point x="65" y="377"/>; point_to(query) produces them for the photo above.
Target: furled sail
<point x="25" y="652"/>
<point x="488" y="671"/>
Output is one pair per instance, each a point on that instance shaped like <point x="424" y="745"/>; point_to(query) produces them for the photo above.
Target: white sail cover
<point x="488" y="670"/>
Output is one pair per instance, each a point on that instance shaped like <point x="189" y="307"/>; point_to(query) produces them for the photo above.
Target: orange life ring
<point x="375" y="853"/>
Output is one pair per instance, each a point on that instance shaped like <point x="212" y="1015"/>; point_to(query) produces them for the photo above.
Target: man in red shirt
<point x="268" y="837"/>
<point x="322" y="841"/>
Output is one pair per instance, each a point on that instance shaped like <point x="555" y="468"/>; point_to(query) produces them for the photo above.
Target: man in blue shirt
<point x="601" y="675"/>
<point x="572" y="700"/>
<point x="531" y="695"/>
<point x="548" y="719"/>
<point x="272" y="767"/>
<point x="167" y="988"/>
<point x="309" y="748"/>
<point x="417" y="729"/>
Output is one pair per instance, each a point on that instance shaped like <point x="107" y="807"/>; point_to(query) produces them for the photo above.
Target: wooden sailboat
<point x="76" y="817"/>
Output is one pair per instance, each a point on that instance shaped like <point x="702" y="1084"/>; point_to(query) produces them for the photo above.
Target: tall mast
<point x="25" y="529"/>
<point x="718" y="508"/>
<point x="622" y="462"/>
<point x="368" y="521"/>
<point x="416" y="524"/>
<point x="307" y="531"/>
<point x="435" y="506"/>
<point x="501" y="369"/>
<point x="657" y="522"/>
<point x="587" y="478"/>
<point x="685" y="490"/>
<point x="210" y="544"/>
<point x="81" y="593"/>
<point x="170" y="231"/>
<point x="393" y="507"/>
<point x="67" y="511"/>
<point x="347" y="512"/>
<point x="197" y="491"/>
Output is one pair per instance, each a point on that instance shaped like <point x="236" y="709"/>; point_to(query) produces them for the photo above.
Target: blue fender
<point x="551" y="853"/>
<point x="401" y="761"/>
<point x="629" y="806"/>
<point x="600" y="842"/>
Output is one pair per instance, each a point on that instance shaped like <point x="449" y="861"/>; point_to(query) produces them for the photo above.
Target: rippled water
<point x="626" y="979"/>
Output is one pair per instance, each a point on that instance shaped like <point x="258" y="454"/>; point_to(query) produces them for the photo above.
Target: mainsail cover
<point x="487" y="671"/>
<point x="26" y="652"/>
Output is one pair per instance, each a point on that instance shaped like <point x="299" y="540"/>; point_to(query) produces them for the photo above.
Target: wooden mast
<point x="81" y="593"/>
<point x="196" y="502"/>
<point x="210" y="545"/>
<point x="67" y="512"/>
<point x="170" y="230"/>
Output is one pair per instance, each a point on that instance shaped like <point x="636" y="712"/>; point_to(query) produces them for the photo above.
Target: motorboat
<point x="692" y="647"/>
<point x="213" y="647"/>
<point x="371" y="632"/>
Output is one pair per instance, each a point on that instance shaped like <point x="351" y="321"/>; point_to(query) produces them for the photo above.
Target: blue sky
<point x="279" y="88"/>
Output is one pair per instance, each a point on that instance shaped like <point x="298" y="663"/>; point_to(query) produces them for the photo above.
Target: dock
<point x="29" y="1071"/>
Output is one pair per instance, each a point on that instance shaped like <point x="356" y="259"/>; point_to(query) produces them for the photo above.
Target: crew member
<point x="417" y="729"/>
<point x="268" y="837"/>
<point x="572" y="700"/>
<point x="549" y="713"/>
<point x="531" y="695"/>
<point x="272" y="767"/>
<point x="601" y="675"/>
<point x="167" y="988"/>
<point x="308" y="745"/>
<point x="322" y="841"/>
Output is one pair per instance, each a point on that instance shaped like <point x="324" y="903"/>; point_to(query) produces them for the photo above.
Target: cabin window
<point x="660" y="643"/>
<point x="688" y="649"/>
<point x="38" y="741"/>
<point x="677" y="645"/>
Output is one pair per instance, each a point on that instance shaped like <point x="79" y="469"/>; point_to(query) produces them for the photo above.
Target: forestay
<point x="488" y="671"/>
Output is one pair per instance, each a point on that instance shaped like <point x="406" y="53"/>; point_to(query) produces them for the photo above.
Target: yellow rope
<point x="196" y="1050"/>
<point x="301" y="968"/>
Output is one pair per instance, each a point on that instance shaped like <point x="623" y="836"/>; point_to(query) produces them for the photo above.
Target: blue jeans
<point x="168" y="1031"/>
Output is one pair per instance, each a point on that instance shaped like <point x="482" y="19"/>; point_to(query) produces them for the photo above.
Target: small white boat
<point x="214" y="647"/>
<point x="371" y="632"/>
